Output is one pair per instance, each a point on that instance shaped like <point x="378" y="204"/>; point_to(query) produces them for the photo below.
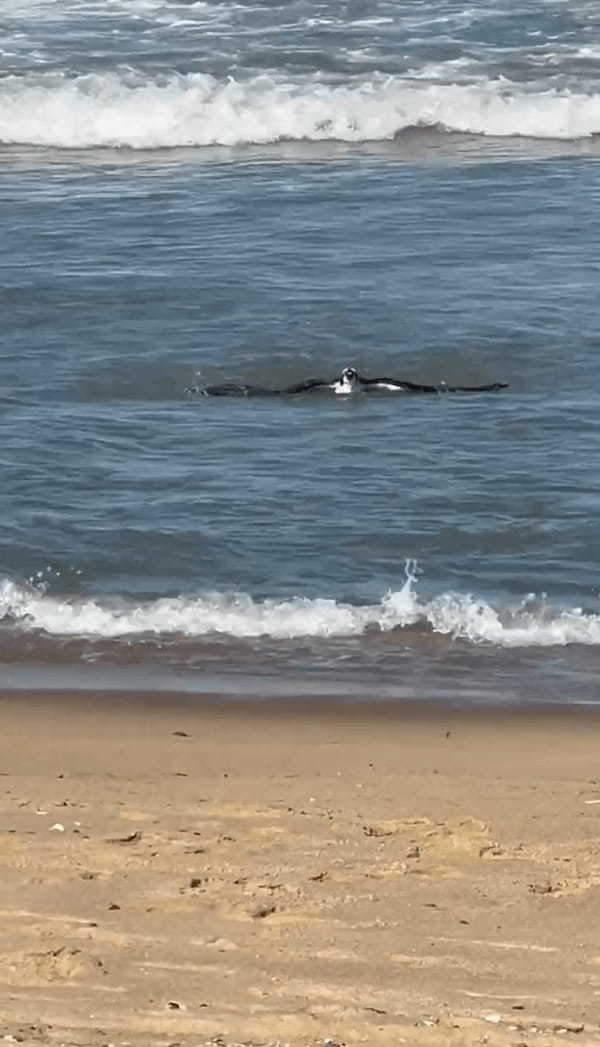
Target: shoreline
<point x="315" y="705"/>
<point x="471" y="691"/>
<point x="176" y="872"/>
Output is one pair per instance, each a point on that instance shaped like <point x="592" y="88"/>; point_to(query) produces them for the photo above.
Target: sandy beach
<point x="177" y="873"/>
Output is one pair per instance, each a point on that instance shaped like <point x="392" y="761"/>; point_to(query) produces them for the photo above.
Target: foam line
<point x="133" y="111"/>
<point x="459" y="616"/>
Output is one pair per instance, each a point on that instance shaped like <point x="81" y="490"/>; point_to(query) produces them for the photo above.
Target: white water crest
<point x="134" y="111"/>
<point x="460" y="617"/>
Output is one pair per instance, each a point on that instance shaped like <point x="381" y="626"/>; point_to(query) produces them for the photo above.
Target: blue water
<point x="198" y="193"/>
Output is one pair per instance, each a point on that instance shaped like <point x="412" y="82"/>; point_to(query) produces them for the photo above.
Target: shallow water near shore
<point x="197" y="193"/>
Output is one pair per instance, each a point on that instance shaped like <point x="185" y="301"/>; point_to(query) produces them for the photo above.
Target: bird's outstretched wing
<point x="397" y="383"/>
<point x="241" y="389"/>
<point x="305" y="387"/>
<point x="415" y="387"/>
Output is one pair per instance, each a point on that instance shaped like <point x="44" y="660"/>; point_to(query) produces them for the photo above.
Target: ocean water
<point x="263" y="192"/>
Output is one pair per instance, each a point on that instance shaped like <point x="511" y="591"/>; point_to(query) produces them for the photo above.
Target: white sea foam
<point x="198" y="110"/>
<point x="458" y="616"/>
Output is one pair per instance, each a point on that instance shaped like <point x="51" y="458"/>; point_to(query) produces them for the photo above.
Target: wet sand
<point x="186" y="874"/>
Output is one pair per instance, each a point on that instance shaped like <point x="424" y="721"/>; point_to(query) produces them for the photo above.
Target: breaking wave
<point x="460" y="617"/>
<point x="129" y="110"/>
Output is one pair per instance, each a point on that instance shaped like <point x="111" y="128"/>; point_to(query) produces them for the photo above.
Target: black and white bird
<point x="348" y="382"/>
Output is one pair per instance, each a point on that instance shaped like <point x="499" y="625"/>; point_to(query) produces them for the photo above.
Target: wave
<point x="128" y="110"/>
<point x="460" y="617"/>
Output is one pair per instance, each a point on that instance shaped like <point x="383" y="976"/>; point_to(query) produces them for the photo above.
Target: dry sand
<point x="254" y="874"/>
